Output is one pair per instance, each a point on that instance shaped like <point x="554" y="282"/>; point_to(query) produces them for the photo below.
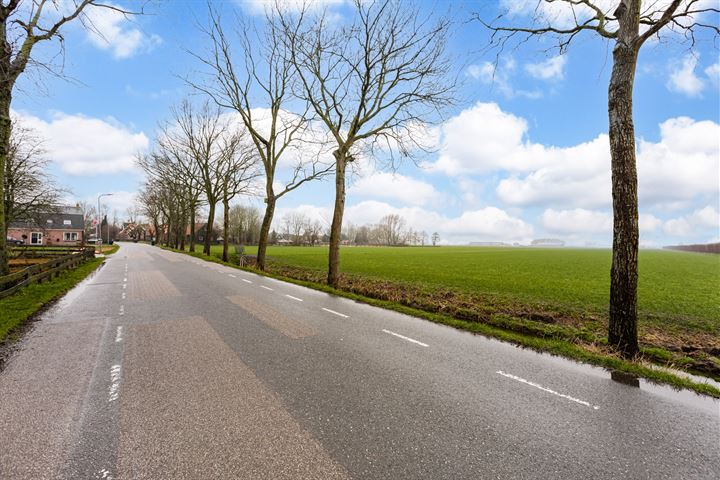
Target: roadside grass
<point x="18" y="308"/>
<point x="585" y="341"/>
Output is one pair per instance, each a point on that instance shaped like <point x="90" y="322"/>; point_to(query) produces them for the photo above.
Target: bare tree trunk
<point x="336" y="227"/>
<point x="209" y="227"/>
<point x="265" y="231"/>
<point x="226" y="227"/>
<point x="5" y="127"/>
<point x="193" y="208"/>
<point x="622" y="332"/>
<point x="181" y="229"/>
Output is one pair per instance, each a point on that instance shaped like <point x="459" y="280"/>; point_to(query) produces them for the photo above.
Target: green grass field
<point x="672" y="284"/>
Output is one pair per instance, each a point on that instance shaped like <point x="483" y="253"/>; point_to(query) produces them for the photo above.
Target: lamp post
<point x="98" y="230"/>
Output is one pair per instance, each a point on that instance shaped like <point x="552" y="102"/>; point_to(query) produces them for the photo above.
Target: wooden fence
<point x="10" y="284"/>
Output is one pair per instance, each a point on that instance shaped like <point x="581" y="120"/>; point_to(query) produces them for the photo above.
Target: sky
<point x="522" y="155"/>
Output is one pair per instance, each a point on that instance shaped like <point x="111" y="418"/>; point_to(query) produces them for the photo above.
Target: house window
<point x="36" y="238"/>
<point x="49" y="221"/>
<point x="71" y="236"/>
<point x="67" y="222"/>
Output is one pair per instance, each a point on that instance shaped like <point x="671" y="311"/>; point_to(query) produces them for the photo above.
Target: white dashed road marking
<point x="114" y="390"/>
<point x="119" y="334"/>
<point x="266" y="288"/>
<point x="545" y="389"/>
<point x="231" y="275"/>
<point x="246" y="281"/>
<point x="412" y="340"/>
<point x="335" y="313"/>
<point x="294" y="298"/>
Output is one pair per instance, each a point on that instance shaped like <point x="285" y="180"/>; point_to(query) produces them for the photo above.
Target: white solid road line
<point x="335" y="313"/>
<point x="406" y="338"/>
<point x="266" y="288"/>
<point x="294" y="298"/>
<point x="246" y="281"/>
<point x="545" y="389"/>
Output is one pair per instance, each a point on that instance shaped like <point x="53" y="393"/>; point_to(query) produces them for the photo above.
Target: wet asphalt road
<point x="165" y="366"/>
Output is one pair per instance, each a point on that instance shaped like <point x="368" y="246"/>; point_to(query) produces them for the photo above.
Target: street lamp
<point x="97" y="224"/>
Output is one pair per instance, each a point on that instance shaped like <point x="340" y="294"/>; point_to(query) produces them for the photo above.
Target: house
<point x="547" y="242"/>
<point x="62" y="228"/>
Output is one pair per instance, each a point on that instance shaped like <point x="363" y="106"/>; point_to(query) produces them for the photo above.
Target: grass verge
<point x="594" y="352"/>
<point x="18" y="308"/>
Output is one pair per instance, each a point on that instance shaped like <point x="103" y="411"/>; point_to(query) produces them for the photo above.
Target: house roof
<point x="55" y="220"/>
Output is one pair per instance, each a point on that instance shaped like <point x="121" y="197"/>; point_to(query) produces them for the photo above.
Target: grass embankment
<point x="548" y="299"/>
<point x="18" y="308"/>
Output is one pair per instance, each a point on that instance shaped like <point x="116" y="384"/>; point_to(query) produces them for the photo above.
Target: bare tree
<point x="435" y="238"/>
<point x="238" y="172"/>
<point x="373" y="83"/>
<point x="29" y="191"/>
<point x="391" y="230"/>
<point x="206" y="137"/>
<point x="23" y="25"/>
<point x="628" y="24"/>
<point x="258" y="89"/>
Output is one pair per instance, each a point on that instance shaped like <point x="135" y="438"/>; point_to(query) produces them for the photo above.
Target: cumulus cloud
<point x="404" y="189"/>
<point x="683" y="78"/>
<point x="82" y="145"/>
<point x="682" y="166"/>
<point x="550" y="69"/>
<point x="484" y="224"/>
<point x="109" y="29"/>
<point x="713" y="73"/>
<point x="697" y="223"/>
<point x="575" y="221"/>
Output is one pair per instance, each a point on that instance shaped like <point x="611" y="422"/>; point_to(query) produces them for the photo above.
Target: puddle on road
<point x="73" y="293"/>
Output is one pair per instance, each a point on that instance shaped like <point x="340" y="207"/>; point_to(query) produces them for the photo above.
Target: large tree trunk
<point x="226" y="227"/>
<point x="265" y="231"/>
<point x="622" y="331"/>
<point x="336" y="228"/>
<point x="5" y="126"/>
<point x="209" y="227"/>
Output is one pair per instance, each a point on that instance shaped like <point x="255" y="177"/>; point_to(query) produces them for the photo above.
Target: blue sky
<point x="523" y="155"/>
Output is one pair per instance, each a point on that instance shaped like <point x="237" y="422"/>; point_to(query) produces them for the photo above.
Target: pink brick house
<point x="64" y="228"/>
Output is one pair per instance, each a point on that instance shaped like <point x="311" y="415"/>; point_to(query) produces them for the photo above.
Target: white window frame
<point x="67" y="222"/>
<point x="38" y="236"/>
<point x="68" y="236"/>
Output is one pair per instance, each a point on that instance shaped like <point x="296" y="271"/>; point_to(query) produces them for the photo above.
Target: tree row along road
<point x="165" y="366"/>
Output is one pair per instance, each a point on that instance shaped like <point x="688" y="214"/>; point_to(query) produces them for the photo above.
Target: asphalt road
<point x="162" y="366"/>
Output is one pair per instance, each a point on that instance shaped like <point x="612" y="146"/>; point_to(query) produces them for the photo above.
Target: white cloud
<point x="696" y="223"/>
<point x="109" y="29"/>
<point x="576" y="221"/>
<point x="498" y="76"/>
<point x="82" y="145"/>
<point x="683" y="79"/>
<point x="482" y="139"/>
<point x="550" y="69"/>
<point x="649" y="222"/>
<point x="713" y="73"/>
<point x="485" y="224"/>
<point x="682" y="166"/>
<point x="404" y="189"/>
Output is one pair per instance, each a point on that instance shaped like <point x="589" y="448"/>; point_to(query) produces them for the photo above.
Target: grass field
<point x="672" y="284"/>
